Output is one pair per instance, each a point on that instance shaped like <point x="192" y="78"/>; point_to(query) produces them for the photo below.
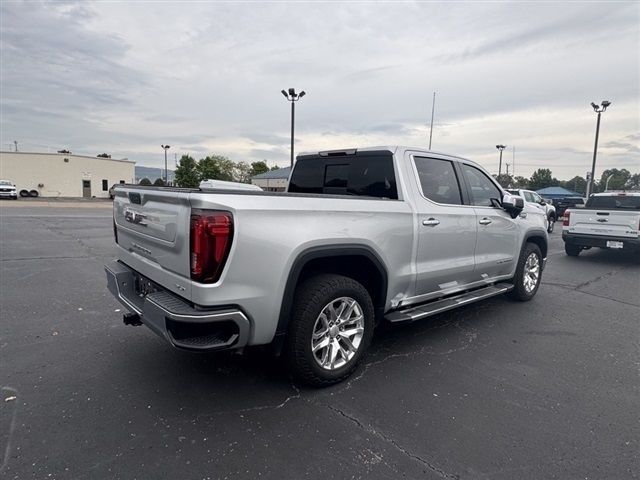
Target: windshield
<point x="614" y="202"/>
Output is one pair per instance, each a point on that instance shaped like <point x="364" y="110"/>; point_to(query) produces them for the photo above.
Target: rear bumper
<point x="599" y="241"/>
<point x="183" y="325"/>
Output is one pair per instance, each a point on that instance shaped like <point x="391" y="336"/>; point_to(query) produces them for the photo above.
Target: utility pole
<point x="293" y="97"/>
<point x="433" y="106"/>
<point x="507" y="169"/>
<point x="15" y="143"/>
<point x="500" y="148"/>
<point x="598" y="109"/>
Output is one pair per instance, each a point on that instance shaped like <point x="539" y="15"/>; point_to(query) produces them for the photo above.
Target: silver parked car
<point x="391" y="233"/>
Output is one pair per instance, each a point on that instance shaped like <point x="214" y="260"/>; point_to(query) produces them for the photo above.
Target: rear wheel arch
<point x="358" y="262"/>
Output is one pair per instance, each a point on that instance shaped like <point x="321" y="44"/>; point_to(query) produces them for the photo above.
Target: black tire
<point x="572" y="250"/>
<point x="311" y="299"/>
<point x="552" y="223"/>
<point x="520" y="292"/>
<point x="24" y="193"/>
<point x="33" y="193"/>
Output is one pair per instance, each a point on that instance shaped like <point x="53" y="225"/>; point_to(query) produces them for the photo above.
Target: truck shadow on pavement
<point x="226" y="383"/>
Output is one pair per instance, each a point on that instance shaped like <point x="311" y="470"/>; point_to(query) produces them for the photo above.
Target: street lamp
<point x="165" y="148"/>
<point x="293" y="97"/>
<point x="501" y="148"/>
<point x="598" y="109"/>
<point x="606" y="185"/>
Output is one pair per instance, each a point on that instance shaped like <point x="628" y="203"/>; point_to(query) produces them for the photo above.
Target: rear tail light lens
<point x="211" y="236"/>
<point x="565" y="222"/>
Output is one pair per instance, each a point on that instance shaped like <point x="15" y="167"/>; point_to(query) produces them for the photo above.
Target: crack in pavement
<point x="369" y="429"/>
<point x="470" y="338"/>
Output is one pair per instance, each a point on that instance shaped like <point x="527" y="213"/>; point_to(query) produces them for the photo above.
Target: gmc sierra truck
<point x="608" y="220"/>
<point x="361" y="235"/>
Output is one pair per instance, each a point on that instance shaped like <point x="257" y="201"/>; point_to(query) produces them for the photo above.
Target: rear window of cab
<point x="369" y="174"/>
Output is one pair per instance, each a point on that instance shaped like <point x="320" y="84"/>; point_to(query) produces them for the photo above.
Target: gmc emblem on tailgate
<point x="132" y="216"/>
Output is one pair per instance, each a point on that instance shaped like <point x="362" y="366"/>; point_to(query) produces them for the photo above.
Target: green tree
<point x="541" y="178"/>
<point x="520" y="182"/>
<point x="505" y="180"/>
<point x="618" y="180"/>
<point x="216" y="167"/>
<point x="242" y="172"/>
<point x="159" y="182"/>
<point x="208" y="168"/>
<point x="577" y="184"/>
<point x="275" y="167"/>
<point x="227" y="169"/>
<point x="258" y="168"/>
<point x="634" y="182"/>
<point x="145" y="181"/>
<point x="186" y="174"/>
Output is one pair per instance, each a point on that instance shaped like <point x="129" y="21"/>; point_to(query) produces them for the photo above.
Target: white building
<point x="65" y="174"/>
<point x="274" y="180"/>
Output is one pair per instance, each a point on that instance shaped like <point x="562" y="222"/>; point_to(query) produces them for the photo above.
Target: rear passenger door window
<point x="482" y="189"/>
<point x="438" y="180"/>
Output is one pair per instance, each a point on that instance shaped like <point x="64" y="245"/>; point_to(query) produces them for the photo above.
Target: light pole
<point x="293" y="97"/>
<point x="606" y="185"/>
<point x="500" y="148"/>
<point x="433" y="107"/>
<point x="598" y="109"/>
<point x="165" y="148"/>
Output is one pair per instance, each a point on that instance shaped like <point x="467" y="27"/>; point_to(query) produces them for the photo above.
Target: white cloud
<point x="206" y="77"/>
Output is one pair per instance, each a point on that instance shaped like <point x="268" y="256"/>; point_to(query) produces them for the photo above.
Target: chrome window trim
<point x="413" y="156"/>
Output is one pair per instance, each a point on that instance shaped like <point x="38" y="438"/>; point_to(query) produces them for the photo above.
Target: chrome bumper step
<point x="424" y="310"/>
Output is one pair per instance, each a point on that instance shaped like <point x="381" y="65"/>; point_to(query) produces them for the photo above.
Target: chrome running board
<point x="438" y="306"/>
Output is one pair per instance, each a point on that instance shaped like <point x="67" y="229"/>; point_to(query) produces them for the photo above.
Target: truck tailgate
<point x="153" y="230"/>
<point x="614" y="223"/>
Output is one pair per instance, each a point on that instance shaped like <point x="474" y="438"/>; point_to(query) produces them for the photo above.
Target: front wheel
<point x="572" y="250"/>
<point x="330" y="329"/>
<point x="528" y="273"/>
<point x="551" y="224"/>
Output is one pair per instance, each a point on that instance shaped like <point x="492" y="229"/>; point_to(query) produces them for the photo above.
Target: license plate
<point x="612" y="244"/>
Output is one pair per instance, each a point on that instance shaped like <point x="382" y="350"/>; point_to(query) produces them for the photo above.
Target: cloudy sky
<point x="206" y="77"/>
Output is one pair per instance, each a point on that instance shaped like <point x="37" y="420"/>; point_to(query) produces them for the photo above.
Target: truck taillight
<point x="565" y="222"/>
<point x="211" y="236"/>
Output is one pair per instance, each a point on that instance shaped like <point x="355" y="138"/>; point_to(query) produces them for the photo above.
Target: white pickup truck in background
<point x="609" y="220"/>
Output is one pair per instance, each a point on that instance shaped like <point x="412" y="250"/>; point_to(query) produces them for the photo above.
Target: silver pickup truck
<point x="362" y="235"/>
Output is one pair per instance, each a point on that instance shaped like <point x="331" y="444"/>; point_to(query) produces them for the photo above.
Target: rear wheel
<point x="572" y="250"/>
<point x="528" y="273"/>
<point x="330" y="329"/>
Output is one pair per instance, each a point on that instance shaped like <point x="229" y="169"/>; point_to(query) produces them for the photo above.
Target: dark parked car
<point x="562" y="204"/>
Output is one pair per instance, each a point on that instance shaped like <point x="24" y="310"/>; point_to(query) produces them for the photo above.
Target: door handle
<point x="485" y="221"/>
<point x="431" y="222"/>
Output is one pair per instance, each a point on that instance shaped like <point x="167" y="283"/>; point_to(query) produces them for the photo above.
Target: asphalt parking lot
<point x="497" y="390"/>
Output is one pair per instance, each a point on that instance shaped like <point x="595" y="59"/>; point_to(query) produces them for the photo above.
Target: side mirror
<point x="513" y="204"/>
